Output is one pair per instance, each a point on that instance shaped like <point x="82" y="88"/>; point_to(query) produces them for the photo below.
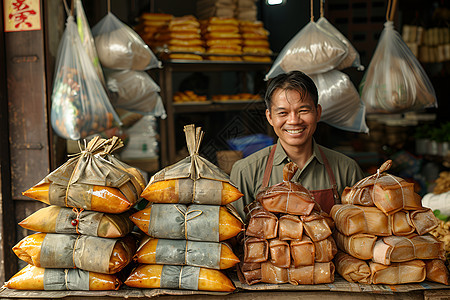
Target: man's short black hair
<point x="294" y="80"/>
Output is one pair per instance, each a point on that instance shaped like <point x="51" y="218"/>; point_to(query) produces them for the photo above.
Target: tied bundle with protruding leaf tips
<point x="187" y="222"/>
<point x="192" y="180"/>
<point x="92" y="180"/>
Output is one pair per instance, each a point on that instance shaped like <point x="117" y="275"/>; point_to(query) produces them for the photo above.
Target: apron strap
<point x="330" y="176"/>
<point x="268" y="169"/>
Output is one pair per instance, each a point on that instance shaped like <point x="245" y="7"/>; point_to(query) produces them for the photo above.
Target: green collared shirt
<point x="247" y="173"/>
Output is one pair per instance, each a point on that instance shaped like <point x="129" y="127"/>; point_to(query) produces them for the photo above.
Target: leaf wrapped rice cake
<point x="353" y="219"/>
<point x="316" y="227"/>
<point x="351" y="268"/>
<point x="437" y="271"/>
<point x="256" y="250"/>
<point x="56" y="219"/>
<point x="186" y="191"/>
<point x="181" y="252"/>
<point x="53" y="250"/>
<point x="251" y="272"/>
<point x="325" y="250"/>
<point x="290" y="228"/>
<point x="191" y="180"/>
<point x="208" y="223"/>
<point x="318" y="273"/>
<point x="273" y="274"/>
<point x="261" y="223"/>
<point x="280" y="254"/>
<point x="303" y="252"/>
<point x="179" y="277"/>
<point x="287" y="197"/>
<point x="387" y="192"/>
<point x="89" y="182"/>
<point x="397" y="273"/>
<point x="358" y="245"/>
<point x="392" y="249"/>
<point x="39" y="279"/>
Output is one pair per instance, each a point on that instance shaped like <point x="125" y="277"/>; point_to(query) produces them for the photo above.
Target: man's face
<point x="293" y="119"/>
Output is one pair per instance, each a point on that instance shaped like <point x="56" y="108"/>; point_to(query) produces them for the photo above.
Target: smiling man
<point x="293" y="111"/>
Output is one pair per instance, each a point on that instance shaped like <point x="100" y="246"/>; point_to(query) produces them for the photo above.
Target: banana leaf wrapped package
<point x="317" y="273"/>
<point x="387" y="192"/>
<point x="358" y="245"/>
<point x="437" y="271"/>
<point x="39" y="279"/>
<point x="56" y="219"/>
<point x="287" y="197"/>
<point x="179" y="277"/>
<point x="54" y="250"/>
<point x="91" y="182"/>
<point x="261" y="223"/>
<point x="398" y="273"/>
<point x="195" y="222"/>
<point x="351" y="268"/>
<point x="191" y="180"/>
<point x="182" y="252"/>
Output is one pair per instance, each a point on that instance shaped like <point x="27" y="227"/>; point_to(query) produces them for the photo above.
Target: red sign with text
<point x="22" y="15"/>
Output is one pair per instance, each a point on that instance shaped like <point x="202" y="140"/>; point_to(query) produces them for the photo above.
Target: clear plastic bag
<point x="80" y="104"/>
<point x="134" y="91"/>
<point x="120" y="47"/>
<point x="312" y="50"/>
<point x="84" y="30"/>
<point x="395" y="82"/>
<point x="341" y="105"/>
<point x="352" y="58"/>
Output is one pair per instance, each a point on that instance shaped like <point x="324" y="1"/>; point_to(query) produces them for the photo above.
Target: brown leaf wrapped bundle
<point x="352" y="268"/>
<point x="287" y="197"/>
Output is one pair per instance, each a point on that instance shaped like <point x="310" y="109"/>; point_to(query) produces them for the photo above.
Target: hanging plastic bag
<point x="312" y="50"/>
<point x="80" y="105"/>
<point x="120" y="47"/>
<point x="134" y="91"/>
<point x="341" y="105"/>
<point x="395" y="81"/>
<point x="84" y="30"/>
<point x="352" y="58"/>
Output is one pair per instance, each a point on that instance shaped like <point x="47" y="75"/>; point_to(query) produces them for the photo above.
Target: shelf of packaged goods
<point x="167" y="126"/>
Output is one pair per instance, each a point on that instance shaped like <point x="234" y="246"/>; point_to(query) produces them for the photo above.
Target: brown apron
<point x="326" y="198"/>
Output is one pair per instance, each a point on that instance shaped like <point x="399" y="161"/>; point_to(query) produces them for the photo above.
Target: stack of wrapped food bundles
<point x="288" y="237"/>
<point x="83" y="238"/>
<point x="222" y="38"/>
<point x="255" y="41"/>
<point x="181" y="34"/>
<point x="149" y="25"/>
<point x="382" y="231"/>
<point x="246" y="10"/>
<point x="215" y="8"/>
<point x="188" y="222"/>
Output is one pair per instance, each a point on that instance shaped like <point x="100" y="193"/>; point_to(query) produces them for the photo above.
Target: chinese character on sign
<point x="22" y="15"/>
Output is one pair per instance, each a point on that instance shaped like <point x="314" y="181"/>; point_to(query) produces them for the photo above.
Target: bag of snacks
<point x="179" y="277"/>
<point x="84" y="30"/>
<point x="120" y="47"/>
<point x="341" y="105"/>
<point x="181" y="252"/>
<point x="287" y="197"/>
<point x="42" y="279"/>
<point x="56" y="219"/>
<point x="89" y="253"/>
<point x="192" y="180"/>
<point x="395" y="81"/>
<point x="134" y="91"/>
<point x="312" y="50"/>
<point x="80" y="104"/>
<point x="91" y="182"/>
<point x="178" y="221"/>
